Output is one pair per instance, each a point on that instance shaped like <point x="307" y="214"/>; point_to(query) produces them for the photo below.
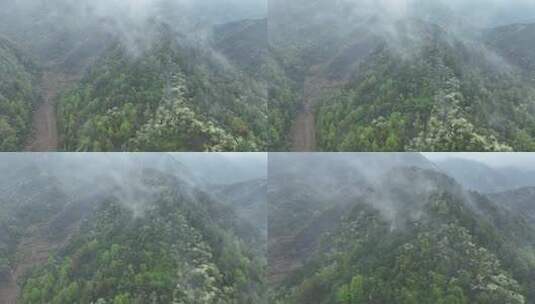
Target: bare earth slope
<point x="45" y="137"/>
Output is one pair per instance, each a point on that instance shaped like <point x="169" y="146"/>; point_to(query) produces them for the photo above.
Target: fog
<point x="210" y="11"/>
<point x="487" y="13"/>
<point x="397" y="184"/>
<point x="521" y="161"/>
<point x="330" y="181"/>
<point x="225" y="168"/>
<point x="135" y="179"/>
<point x="367" y="24"/>
<point x="479" y="13"/>
<point x="45" y="24"/>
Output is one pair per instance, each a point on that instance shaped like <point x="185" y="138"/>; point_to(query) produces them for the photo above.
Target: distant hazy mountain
<point x="515" y="43"/>
<point x="520" y="201"/>
<point x="480" y="177"/>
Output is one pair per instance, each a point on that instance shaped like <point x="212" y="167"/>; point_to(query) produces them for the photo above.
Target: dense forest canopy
<point x="404" y="75"/>
<point x="237" y="75"/>
<point x="152" y="75"/>
<point x="138" y="228"/>
<point x="393" y="228"/>
<point x="288" y="228"/>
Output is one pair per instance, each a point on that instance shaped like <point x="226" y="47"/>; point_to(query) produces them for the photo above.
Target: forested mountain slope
<point x="155" y="76"/>
<point x="19" y="95"/>
<point x="306" y="189"/>
<point x="413" y="79"/>
<point x="171" y="98"/>
<point x="446" y="94"/>
<point x="244" y="43"/>
<point x="412" y="235"/>
<point x="520" y="201"/>
<point x="249" y="199"/>
<point x="515" y="43"/>
<point x="144" y="233"/>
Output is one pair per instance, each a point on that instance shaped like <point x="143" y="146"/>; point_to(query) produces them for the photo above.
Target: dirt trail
<point x="9" y="291"/>
<point x="303" y="131"/>
<point x="282" y="263"/>
<point x="32" y="252"/>
<point x="45" y="135"/>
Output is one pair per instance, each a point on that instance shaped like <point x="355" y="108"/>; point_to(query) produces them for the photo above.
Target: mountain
<point x="213" y="169"/>
<point x="515" y="43"/>
<point x="244" y="43"/>
<point x="422" y="78"/>
<point x="308" y="192"/>
<point x="249" y="199"/>
<point x="408" y="235"/>
<point x="520" y="201"/>
<point x="138" y="231"/>
<point x="433" y="93"/>
<point x="172" y="97"/>
<point x="479" y="177"/>
<point x="145" y="76"/>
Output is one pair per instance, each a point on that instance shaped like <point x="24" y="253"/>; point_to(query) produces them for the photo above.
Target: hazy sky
<point x="482" y="13"/>
<point x="518" y="160"/>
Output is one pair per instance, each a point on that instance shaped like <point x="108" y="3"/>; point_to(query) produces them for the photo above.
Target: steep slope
<point x="132" y="228"/>
<point x="413" y="236"/>
<point x="244" y="43"/>
<point x="520" y="201"/>
<point x="307" y="189"/>
<point x="172" y="97"/>
<point x="182" y="248"/>
<point x="24" y="219"/>
<point x="515" y="43"/>
<point x="430" y="90"/>
<point x="421" y="78"/>
<point x="249" y="199"/>
<point x="155" y="74"/>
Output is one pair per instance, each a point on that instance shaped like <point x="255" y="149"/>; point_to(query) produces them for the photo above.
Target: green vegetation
<point x="170" y="98"/>
<point x="21" y="208"/>
<point x="18" y="96"/>
<point x="405" y="85"/>
<point x="441" y="99"/>
<point x="169" y="255"/>
<point x="413" y="237"/>
<point x="284" y="102"/>
<point x="139" y="237"/>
